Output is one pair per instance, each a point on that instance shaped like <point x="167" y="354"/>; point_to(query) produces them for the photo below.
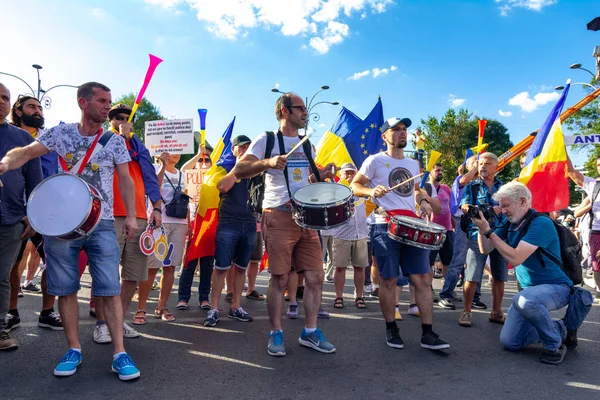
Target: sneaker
<point x="368" y="289"/>
<point x="292" y="312"/>
<point x="124" y="366"/>
<point x="414" y="310"/>
<point x="31" y="288"/>
<point x="466" y="319"/>
<point x="375" y="292"/>
<point x="6" y="342"/>
<point x="275" y="346"/>
<point x="101" y="334"/>
<point x="20" y="292"/>
<point x="393" y="339"/>
<point x="93" y="312"/>
<point x="554" y="357"/>
<point x="51" y="321"/>
<point x="434" y="296"/>
<point x="397" y="315"/>
<point x="154" y="285"/>
<point x="212" y="318"/>
<point x="432" y="341"/>
<point x="12" y="322"/>
<point x="239" y="314"/>
<point x="460" y="282"/>
<point x="182" y="305"/>
<point x="323" y="314"/>
<point x="129" y="332"/>
<point x="316" y="341"/>
<point x="571" y="341"/>
<point x="329" y="278"/>
<point x="67" y="365"/>
<point x="479" y="305"/>
<point x="447" y="304"/>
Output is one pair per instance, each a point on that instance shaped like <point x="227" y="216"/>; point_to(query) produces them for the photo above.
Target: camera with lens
<point x="486" y="209"/>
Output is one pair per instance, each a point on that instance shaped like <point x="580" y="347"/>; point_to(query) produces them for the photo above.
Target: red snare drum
<point x="416" y="232"/>
<point x="322" y="205"/>
<point x="64" y="206"/>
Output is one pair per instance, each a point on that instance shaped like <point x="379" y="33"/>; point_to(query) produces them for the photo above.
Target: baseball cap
<point x="240" y="140"/>
<point x="392" y="122"/>
<point x="348" y="166"/>
<point x="119" y="108"/>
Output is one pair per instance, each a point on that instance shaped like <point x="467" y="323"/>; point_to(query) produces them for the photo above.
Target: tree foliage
<point x="147" y="111"/>
<point x="457" y="131"/>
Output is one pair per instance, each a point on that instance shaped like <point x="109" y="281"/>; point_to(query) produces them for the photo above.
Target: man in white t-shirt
<point x="287" y="243"/>
<point x="378" y="174"/>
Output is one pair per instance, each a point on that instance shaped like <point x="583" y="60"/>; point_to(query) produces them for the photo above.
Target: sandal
<point x="229" y="298"/>
<point x="254" y="295"/>
<point x="497" y="318"/>
<point x="205" y="305"/>
<point x="139" y="319"/>
<point x="360" y="302"/>
<point x="338" y="303"/>
<point x="164" y="314"/>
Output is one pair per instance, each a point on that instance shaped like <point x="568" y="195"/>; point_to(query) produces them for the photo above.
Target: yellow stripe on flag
<point x="331" y="148"/>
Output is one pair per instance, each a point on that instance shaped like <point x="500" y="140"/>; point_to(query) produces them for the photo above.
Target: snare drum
<point x="416" y="232"/>
<point x="64" y="206"/>
<point x="322" y="205"/>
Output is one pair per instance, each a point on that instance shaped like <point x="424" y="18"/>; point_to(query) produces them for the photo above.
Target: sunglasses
<point x="301" y="108"/>
<point x="204" y="160"/>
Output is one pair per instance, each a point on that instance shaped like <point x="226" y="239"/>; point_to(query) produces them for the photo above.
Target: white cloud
<point x="322" y="125"/>
<point x="505" y="113"/>
<point x="375" y="73"/>
<point x="530" y="104"/>
<point x="231" y="19"/>
<point x="454" y="101"/>
<point x="534" y="5"/>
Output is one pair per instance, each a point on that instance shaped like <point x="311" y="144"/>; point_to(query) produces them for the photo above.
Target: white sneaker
<point x="129" y="332"/>
<point x="368" y="288"/>
<point x="101" y="334"/>
<point x="414" y="310"/>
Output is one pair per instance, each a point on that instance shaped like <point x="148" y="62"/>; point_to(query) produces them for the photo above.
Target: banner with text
<point x="175" y="136"/>
<point x="582" y="139"/>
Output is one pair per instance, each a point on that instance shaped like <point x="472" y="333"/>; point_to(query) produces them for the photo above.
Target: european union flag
<point x="365" y="139"/>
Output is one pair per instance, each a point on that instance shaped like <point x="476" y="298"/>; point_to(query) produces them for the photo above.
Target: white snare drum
<point x="416" y="232"/>
<point x="322" y="205"/>
<point x="64" y="206"/>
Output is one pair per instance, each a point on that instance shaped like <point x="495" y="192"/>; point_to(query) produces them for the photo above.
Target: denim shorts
<point x="102" y="249"/>
<point x="234" y="243"/>
<point x="395" y="258"/>
<point x="476" y="261"/>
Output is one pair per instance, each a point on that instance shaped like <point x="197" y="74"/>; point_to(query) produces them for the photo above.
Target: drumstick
<point x="406" y="181"/>
<point x="304" y="139"/>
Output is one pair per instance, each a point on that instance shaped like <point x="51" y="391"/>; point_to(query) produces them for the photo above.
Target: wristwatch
<point x="488" y="233"/>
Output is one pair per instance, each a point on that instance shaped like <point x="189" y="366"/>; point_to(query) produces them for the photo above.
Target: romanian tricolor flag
<point x="205" y="226"/>
<point x="546" y="164"/>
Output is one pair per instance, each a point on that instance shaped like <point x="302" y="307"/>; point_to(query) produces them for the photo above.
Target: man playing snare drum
<point x="378" y="174"/>
<point x="286" y="242"/>
<point x="71" y="142"/>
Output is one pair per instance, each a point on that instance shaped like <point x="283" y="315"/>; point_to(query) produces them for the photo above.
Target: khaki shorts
<point x="176" y="234"/>
<point x="134" y="263"/>
<point x="287" y="243"/>
<point x="350" y="253"/>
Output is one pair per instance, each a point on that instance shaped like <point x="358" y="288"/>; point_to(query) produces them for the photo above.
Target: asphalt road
<point x="186" y="360"/>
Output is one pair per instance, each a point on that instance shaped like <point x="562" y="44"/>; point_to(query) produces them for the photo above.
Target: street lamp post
<point x="41" y="94"/>
<point x="310" y="106"/>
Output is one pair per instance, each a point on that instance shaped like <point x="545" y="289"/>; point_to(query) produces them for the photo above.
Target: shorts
<point x="258" y="250"/>
<point x="38" y="243"/>
<point x="62" y="262"/>
<point x="395" y="258"/>
<point x="287" y="243"/>
<point x="350" y="253"/>
<point x="445" y="252"/>
<point x="234" y="244"/>
<point x="176" y="234"/>
<point x="594" y="248"/>
<point x="476" y="261"/>
<point x="134" y="263"/>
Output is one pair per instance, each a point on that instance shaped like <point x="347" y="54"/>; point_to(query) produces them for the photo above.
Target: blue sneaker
<point x="125" y="367"/>
<point x="317" y="341"/>
<point x="212" y="318"/>
<point x="67" y="365"/>
<point x="276" y="347"/>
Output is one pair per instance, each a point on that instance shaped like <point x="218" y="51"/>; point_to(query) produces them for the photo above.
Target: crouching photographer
<point x="530" y="241"/>
<point x="478" y="200"/>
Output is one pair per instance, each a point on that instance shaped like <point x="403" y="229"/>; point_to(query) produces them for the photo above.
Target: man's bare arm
<point x="19" y="156"/>
<point x="249" y="166"/>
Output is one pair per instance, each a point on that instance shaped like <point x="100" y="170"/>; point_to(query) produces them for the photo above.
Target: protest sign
<point x="175" y="136"/>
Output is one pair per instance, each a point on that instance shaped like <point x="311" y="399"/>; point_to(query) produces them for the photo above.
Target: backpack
<point x="178" y="206"/>
<point x="464" y="219"/>
<point x="570" y="250"/>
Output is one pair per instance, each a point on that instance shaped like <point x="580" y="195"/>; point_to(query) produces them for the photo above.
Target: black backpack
<point x="570" y="250"/>
<point x="178" y="207"/>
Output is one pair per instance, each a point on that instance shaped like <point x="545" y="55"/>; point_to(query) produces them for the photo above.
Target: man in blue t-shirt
<point x="236" y="233"/>
<point x="545" y="286"/>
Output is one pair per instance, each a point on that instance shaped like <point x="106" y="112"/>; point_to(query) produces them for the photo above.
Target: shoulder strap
<point x="595" y="193"/>
<point x="475" y="192"/>
<point x="540" y="250"/>
<point x="171" y="183"/>
<point x="285" y="170"/>
<point x="308" y="151"/>
<point x="270" y="144"/>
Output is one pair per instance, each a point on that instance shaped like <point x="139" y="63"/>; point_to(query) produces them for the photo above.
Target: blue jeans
<point x="528" y="320"/>
<point x="234" y="243"/>
<point x="459" y="258"/>
<point x="187" y="279"/>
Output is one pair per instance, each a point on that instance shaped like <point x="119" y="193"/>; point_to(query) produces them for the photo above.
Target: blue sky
<point x="422" y="57"/>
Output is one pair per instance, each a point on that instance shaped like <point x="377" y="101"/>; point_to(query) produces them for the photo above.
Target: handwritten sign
<point x="175" y="136"/>
<point x="193" y="183"/>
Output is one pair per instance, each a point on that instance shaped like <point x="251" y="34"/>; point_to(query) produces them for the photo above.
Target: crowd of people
<point x="488" y="224"/>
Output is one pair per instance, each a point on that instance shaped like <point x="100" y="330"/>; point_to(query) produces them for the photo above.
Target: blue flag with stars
<point x="365" y="139"/>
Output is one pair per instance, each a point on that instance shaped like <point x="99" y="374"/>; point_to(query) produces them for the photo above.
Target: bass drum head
<point x="59" y="205"/>
<point x="321" y="193"/>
